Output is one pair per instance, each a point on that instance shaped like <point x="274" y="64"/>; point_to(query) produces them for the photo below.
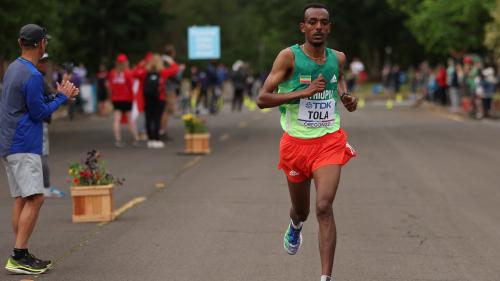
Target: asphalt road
<point x="420" y="202"/>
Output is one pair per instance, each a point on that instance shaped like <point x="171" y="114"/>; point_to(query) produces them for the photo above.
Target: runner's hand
<point x="68" y="89"/>
<point x="316" y="86"/>
<point x="350" y="102"/>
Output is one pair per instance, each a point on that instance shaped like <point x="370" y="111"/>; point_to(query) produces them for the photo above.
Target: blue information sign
<point x="203" y="42"/>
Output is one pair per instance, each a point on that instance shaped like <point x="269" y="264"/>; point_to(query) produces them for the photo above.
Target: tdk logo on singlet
<point x="315" y="106"/>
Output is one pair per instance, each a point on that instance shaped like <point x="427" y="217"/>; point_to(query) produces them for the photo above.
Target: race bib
<point x="316" y="113"/>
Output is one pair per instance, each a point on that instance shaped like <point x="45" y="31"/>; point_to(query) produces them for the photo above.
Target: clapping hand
<point x="68" y="89"/>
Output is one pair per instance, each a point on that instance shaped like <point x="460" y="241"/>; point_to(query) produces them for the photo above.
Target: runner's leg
<point x="326" y="180"/>
<point x="299" y="195"/>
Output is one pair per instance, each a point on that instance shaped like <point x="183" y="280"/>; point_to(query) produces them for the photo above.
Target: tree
<point x="17" y="13"/>
<point x="254" y="31"/>
<point x="84" y="31"/>
<point x="367" y="28"/>
<point x="444" y="26"/>
<point x="257" y="30"/>
<point x="95" y="31"/>
<point x="492" y="40"/>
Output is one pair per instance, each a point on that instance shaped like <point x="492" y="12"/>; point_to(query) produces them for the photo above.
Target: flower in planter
<point x="91" y="171"/>
<point x="194" y="124"/>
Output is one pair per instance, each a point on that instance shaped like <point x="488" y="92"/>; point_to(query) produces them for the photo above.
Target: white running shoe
<point x="151" y="144"/>
<point x="160" y="144"/>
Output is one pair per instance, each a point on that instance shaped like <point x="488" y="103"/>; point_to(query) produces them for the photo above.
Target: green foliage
<point x="254" y="31"/>
<point x="443" y="26"/>
<point x="84" y="31"/>
<point x="16" y="13"/>
<point x="366" y="28"/>
<point x="492" y="40"/>
<point x="97" y="30"/>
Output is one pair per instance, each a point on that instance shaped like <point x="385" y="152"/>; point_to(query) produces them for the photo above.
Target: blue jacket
<point x="23" y="108"/>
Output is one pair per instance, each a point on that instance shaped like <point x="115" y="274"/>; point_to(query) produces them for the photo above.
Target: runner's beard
<point x="318" y="44"/>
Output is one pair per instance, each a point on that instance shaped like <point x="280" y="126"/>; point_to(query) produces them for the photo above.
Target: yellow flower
<point x="187" y="117"/>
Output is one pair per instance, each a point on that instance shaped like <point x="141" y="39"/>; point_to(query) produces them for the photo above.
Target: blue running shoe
<point x="53" y="192"/>
<point x="292" y="240"/>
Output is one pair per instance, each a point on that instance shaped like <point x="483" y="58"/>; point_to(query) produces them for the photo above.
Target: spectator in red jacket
<point x="441" y="78"/>
<point x="120" y="83"/>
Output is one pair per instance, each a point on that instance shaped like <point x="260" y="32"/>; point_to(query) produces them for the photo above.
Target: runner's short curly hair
<point x="313" y="5"/>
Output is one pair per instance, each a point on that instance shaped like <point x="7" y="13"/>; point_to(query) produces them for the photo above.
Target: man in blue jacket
<point x="23" y="108"/>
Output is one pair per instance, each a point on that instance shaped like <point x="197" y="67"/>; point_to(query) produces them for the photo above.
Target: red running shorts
<point x="299" y="158"/>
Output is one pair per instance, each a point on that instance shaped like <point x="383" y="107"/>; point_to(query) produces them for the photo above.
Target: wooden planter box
<point x="92" y="203"/>
<point x="197" y="143"/>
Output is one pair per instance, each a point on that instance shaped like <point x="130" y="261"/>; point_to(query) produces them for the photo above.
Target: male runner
<point x="309" y="82"/>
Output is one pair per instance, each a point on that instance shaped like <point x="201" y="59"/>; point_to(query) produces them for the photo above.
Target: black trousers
<point x="487" y="106"/>
<point x="441" y="96"/>
<point x="237" y="100"/>
<point x="153" y="109"/>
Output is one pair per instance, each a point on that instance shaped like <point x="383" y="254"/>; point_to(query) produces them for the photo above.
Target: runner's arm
<point x="350" y="102"/>
<point x="281" y="69"/>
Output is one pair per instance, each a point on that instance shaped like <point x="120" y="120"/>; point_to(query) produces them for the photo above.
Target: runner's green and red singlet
<point x="318" y="115"/>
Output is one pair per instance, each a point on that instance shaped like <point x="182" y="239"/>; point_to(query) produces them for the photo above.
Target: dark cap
<point x="32" y="34"/>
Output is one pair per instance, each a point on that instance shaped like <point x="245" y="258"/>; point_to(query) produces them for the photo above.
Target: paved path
<point x="421" y="202"/>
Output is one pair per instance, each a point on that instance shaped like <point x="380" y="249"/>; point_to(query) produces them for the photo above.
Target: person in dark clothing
<point x="239" y="80"/>
<point x="204" y="85"/>
<point x="153" y="104"/>
<point x="102" y="89"/>
<point x="154" y="92"/>
<point x="212" y="85"/>
<point x="75" y="105"/>
<point x="394" y="80"/>
<point x="186" y="101"/>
